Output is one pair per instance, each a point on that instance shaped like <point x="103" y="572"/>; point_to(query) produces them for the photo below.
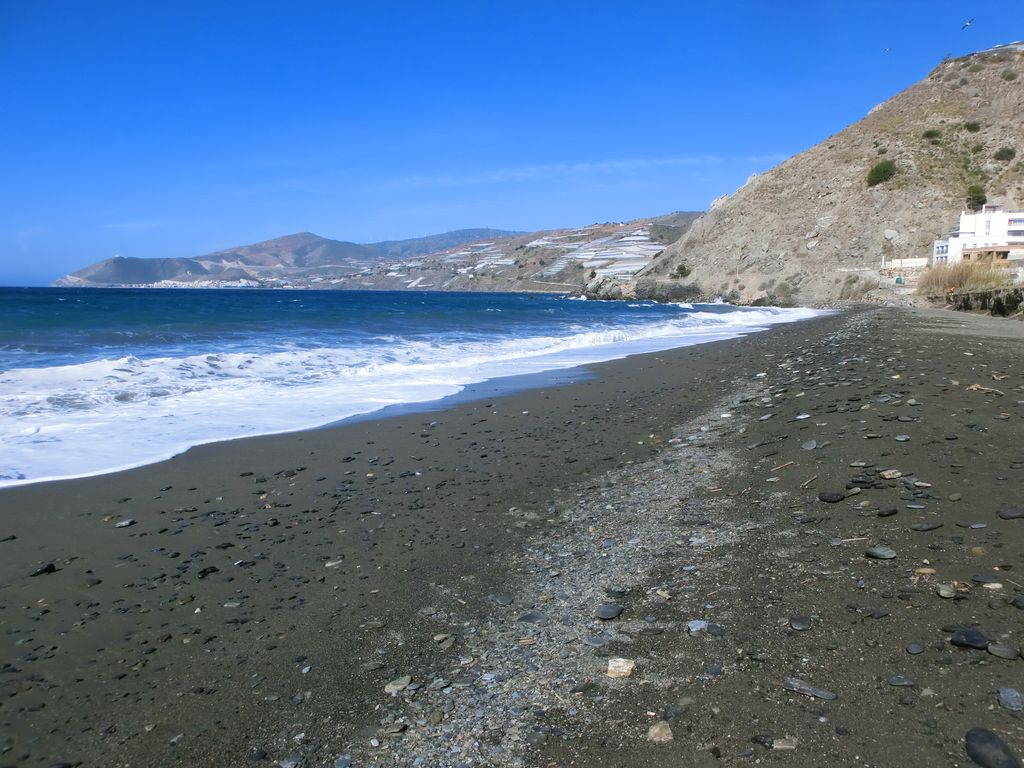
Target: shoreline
<point x="365" y="542"/>
<point x="561" y="367"/>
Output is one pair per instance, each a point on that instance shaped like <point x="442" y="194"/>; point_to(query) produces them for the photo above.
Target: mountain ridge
<point x="467" y="259"/>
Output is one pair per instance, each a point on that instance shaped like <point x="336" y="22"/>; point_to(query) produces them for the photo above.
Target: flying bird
<point x="966" y="24"/>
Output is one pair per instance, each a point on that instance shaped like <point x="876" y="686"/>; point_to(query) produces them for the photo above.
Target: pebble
<point x="831" y="497"/>
<point x="969" y="637"/>
<point x="1011" y="699"/>
<point x="696" y="625"/>
<point x="678" y="709"/>
<point x="620" y="667"/>
<point x="800" y="623"/>
<point x="945" y="591"/>
<point x="398" y="684"/>
<point x="343" y="761"/>
<point x="608" y="611"/>
<point x="126" y="523"/>
<point x="880" y="552"/>
<point x="797" y="685"/>
<point x="1018" y="602"/>
<point x="660" y="732"/>
<point x="533" y="617"/>
<point x="899" y="681"/>
<point x="924" y="527"/>
<point x="1003" y="651"/>
<point x="988" y="750"/>
<point x="915" y="648"/>
<point x="1011" y="513"/>
<point x="810" y="445"/>
<point x="902" y="438"/>
<point x="44" y="569"/>
<point x="890" y="474"/>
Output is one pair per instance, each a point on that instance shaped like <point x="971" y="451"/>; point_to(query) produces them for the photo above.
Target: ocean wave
<point x="107" y="414"/>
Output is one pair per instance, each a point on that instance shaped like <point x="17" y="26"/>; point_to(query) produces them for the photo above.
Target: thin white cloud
<point x="133" y="226"/>
<point x="565" y="170"/>
<point x="774" y="159"/>
<point x="25" y="237"/>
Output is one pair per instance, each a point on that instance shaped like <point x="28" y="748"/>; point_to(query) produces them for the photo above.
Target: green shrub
<point x="880" y="172"/>
<point x="1005" y="153"/>
<point x="931" y="133"/>
<point x="972" y="127"/>
<point x="977" y="148"/>
<point x="976" y="196"/>
<point x="682" y="271"/>
<point x="1009" y="75"/>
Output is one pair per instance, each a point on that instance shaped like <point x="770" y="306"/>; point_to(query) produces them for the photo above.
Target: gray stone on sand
<point x="800" y="623"/>
<point x="533" y="617"/>
<point x="988" y="750"/>
<point x="969" y="637"/>
<point x="831" y="497"/>
<point x="608" y="611"/>
<point x="1011" y="513"/>
<point x="915" y="648"/>
<point x="1011" y="699"/>
<point x="1003" y="651"/>
<point x="880" y="552"/>
<point x="796" y="685"/>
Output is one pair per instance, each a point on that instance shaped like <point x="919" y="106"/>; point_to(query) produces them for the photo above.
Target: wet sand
<point x="249" y="601"/>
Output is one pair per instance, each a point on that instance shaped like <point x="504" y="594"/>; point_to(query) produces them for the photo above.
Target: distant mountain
<point x="420" y="246"/>
<point x="299" y="251"/>
<point x="467" y="259"/>
<point x="280" y="258"/>
<point x="128" y="270"/>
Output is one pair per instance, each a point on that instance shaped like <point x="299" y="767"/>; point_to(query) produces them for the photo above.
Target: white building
<point x="991" y="235"/>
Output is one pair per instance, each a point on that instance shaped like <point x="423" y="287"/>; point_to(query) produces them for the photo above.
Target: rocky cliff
<point x="813" y="230"/>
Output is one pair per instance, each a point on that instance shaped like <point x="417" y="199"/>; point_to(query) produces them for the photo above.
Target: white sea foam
<point x="106" y="415"/>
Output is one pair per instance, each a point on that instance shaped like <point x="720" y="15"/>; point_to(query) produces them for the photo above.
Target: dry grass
<point x="962" y="276"/>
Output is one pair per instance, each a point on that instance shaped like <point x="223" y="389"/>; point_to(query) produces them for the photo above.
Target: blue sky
<point x="174" y="128"/>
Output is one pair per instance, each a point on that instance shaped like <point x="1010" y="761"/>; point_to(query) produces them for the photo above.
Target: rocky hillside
<point x="813" y="230"/>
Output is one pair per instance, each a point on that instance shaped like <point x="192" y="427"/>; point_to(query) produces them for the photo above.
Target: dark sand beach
<point x="247" y="603"/>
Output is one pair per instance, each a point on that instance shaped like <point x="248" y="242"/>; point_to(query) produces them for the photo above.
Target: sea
<point x="99" y="380"/>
